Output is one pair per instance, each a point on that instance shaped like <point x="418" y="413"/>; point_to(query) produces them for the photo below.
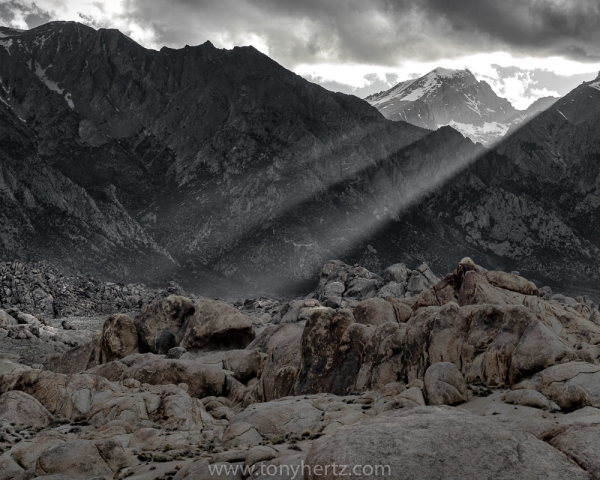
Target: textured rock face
<point x="431" y="442"/>
<point x="119" y="338"/>
<point x="324" y="366"/>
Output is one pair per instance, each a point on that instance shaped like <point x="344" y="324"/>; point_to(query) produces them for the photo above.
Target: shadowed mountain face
<point x="213" y="160"/>
<point x="455" y="98"/>
<point x="224" y="171"/>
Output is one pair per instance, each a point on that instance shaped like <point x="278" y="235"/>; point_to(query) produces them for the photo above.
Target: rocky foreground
<point x="477" y="375"/>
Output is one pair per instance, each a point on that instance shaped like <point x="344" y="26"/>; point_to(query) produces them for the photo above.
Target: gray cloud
<point x="381" y="32"/>
<point x="377" y="32"/>
<point x="33" y="15"/>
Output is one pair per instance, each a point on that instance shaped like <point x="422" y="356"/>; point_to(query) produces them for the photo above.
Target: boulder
<point x="397" y="273"/>
<point x="8" y="367"/>
<point x="527" y="398"/>
<point x="244" y="364"/>
<point x="571" y="385"/>
<point x="282" y="346"/>
<point x="176" y="353"/>
<point x="160" y="325"/>
<point x="338" y="280"/>
<point x="19" y="407"/>
<point x="392" y="289"/>
<point x="24" y="318"/>
<point x="147" y="439"/>
<point x="581" y="443"/>
<point x="299" y="310"/>
<point x="20" y="461"/>
<point x="595" y="317"/>
<point x="512" y="282"/>
<point x="242" y="435"/>
<point x="82" y="459"/>
<point x="260" y="454"/>
<point x="216" y="325"/>
<point x="7" y="320"/>
<point x="202" y="380"/>
<point x="362" y="288"/>
<point x="445" y="385"/>
<point x="411" y="397"/>
<point x="436" y="442"/>
<point x="76" y="360"/>
<point x="402" y="309"/>
<point x="279" y="418"/>
<point x="374" y="311"/>
<point x="324" y="366"/>
<point x="420" y="279"/>
<point x="119" y="338"/>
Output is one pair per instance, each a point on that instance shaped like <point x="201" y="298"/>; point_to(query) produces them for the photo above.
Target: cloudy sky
<point x="525" y="49"/>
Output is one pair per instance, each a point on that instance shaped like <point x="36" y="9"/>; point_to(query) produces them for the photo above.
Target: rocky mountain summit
<point x="455" y="98"/>
<point x="411" y="374"/>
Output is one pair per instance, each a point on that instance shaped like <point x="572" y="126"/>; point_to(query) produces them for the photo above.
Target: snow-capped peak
<point x="450" y="73"/>
<point x="448" y="97"/>
<point x="421" y="87"/>
<point x="595" y="83"/>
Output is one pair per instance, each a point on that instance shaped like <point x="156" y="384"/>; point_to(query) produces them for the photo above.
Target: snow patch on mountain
<point x="41" y="73"/>
<point x="6" y="44"/>
<point x="480" y="133"/>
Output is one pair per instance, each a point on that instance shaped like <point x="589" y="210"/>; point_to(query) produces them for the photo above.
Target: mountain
<point x="229" y="174"/>
<point x="199" y="164"/>
<point x="532" y="204"/>
<point x="455" y="98"/>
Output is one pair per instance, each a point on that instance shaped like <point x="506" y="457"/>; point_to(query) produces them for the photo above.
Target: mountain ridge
<point x="238" y="172"/>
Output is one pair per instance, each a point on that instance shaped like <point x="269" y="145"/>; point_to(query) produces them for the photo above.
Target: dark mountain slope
<point x="213" y="153"/>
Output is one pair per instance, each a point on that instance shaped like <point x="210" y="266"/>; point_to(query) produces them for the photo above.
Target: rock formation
<point x="474" y="364"/>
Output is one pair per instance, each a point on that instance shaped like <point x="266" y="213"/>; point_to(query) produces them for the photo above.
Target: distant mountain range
<point x="226" y="172"/>
<point x="455" y="98"/>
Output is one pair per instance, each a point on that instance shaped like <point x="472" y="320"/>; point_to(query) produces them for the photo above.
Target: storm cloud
<point x="382" y="32"/>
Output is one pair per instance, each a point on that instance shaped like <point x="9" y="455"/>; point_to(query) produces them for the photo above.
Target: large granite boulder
<point x="328" y="361"/>
<point x="571" y="385"/>
<point x="202" y="380"/>
<point x="119" y="338"/>
<point x="160" y="325"/>
<point x="436" y="442"/>
<point x="445" y="385"/>
<point x="374" y="311"/>
<point x="216" y="325"/>
<point x="83" y="459"/>
<point x="21" y="408"/>
<point x="282" y="346"/>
